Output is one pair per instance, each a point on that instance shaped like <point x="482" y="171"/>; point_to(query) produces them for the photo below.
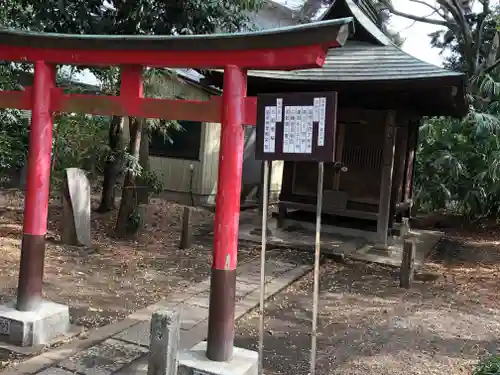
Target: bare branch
<point x="435" y="10"/>
<point x="413" y="17"/>
<point x="480" y="28"/>
<point x="462" y="27"/>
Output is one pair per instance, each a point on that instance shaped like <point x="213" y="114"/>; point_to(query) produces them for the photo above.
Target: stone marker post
<point x="185" y="242"/>
<point x="164" y="342"/>
<point x="407" y="264"/>
<point x="75" y="226"/>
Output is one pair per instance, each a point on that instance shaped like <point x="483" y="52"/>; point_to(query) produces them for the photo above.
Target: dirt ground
<point x="368" y="325"/>
<point x="108" y="282"/>
<point x="447" y="321"/>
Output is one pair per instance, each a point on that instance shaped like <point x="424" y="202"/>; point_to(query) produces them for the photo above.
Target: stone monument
<point x="75" y="226"/>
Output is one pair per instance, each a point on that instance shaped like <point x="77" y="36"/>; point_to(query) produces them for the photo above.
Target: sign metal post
<point x="317" y="256"/>
<point x="295" y="127"/>
<point x="265" y="203"/>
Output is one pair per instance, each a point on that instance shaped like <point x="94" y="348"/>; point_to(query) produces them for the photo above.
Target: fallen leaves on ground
<point x="445" y="323"/>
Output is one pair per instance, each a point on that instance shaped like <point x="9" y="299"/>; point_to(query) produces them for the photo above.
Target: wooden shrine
<point x="383" y="94"/>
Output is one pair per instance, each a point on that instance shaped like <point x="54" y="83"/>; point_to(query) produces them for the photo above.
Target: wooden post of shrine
<point x="386" y="180"/>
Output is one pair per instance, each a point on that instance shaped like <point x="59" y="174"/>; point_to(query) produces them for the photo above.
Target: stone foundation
<point x="195" y="362"/>
<point x="30" y="328"/>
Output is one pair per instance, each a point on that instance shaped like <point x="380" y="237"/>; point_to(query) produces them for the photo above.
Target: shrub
<point x="488" y="366"/>
<point x="458" y="166"/>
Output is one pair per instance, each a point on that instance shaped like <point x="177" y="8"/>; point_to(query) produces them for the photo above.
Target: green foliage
<point x="488" y="366"/>
<point x="13" y="127"/>
<point x="458" y="161"/>
<point x="13" y="141"/>
<point x="79" y="140"/>
<point x="457" y="168"/>
<point x="76" y="137"/>
<point x="141" y="17"/>
<point x="153" y="181"/>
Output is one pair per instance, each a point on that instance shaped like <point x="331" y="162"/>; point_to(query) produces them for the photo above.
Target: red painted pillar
<point x="29" y="292"/>
<point x="227" y="213"/>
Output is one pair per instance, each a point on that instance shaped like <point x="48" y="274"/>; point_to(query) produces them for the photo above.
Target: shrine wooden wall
<point x="175" y="171"/>
<point x="378" y="148"/>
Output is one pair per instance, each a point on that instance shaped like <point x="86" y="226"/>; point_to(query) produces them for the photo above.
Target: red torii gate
<point x="297" y="47"/>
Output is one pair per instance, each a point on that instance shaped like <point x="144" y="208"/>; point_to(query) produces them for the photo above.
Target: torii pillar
<point x="227" y="214"/>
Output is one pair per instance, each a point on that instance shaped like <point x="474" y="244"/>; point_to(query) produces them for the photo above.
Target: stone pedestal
<point x="195" y="362"/>
<point x="30" y="328"/>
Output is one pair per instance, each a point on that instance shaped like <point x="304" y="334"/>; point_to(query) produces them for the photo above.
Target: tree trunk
<point x="128" y="220"/>
<point x="113" y="166"/>
<point x="143" y="188"/>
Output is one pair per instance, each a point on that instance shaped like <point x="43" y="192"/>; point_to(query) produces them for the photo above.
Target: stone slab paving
<point x="103" y="359"/>
<point x="425" y="242"/>
<point x="198" y="333"/>
<point x="300" y="235"/>
<point x="123" y="347"/>
<point x="55" y="371"/>
<point x="353" y="247"/>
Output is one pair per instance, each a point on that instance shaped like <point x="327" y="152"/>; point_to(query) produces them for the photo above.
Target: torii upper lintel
<point x="297" y="47"/>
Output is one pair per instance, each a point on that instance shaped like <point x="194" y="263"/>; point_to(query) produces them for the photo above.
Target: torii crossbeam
<point x="298" y="47"/>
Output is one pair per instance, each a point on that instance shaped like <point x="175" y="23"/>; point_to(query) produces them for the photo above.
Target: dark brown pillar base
<point x="220" y="338"/>
<point x="29" y="290"/>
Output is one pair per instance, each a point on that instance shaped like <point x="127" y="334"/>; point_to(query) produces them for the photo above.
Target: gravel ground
<point x="368" y="325"/>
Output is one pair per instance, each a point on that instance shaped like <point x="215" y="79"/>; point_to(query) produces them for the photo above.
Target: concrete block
<point x="164" y="349"/>
<point x="195" y="335"/>
<point x="250" y="278"/>
<point x="242" y="289"/>
<point x="194" y="362"/>
<point x="276" y="268"/>
<point x="103" y="359"/>
<point x="137" y="334"/>
<point x="198" y="287"/>
<point x="192" y="315"/>
<point x="250" y="267"/>
<point x="55" y="371"/>
<point x="202" y="299"/>
<point x="30" y="328"/>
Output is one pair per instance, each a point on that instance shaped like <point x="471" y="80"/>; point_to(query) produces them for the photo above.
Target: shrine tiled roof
<point x="377" y="60"/>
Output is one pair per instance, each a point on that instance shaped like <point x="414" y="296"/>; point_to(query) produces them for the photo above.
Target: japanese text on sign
<point x="298" y="126"/>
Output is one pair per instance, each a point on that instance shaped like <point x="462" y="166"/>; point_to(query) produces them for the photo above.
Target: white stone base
<point x="30" y="328"/>
<point x="195" y="362"/>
